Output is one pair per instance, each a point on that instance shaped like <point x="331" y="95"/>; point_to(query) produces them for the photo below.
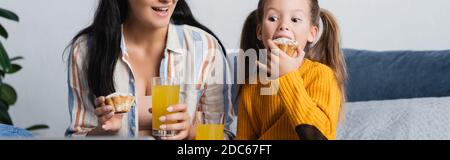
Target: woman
<point x="131" y="41"/>
<point x="311" y="81"/>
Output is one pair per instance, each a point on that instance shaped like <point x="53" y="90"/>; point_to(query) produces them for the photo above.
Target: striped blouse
<point x="191" y="54"/>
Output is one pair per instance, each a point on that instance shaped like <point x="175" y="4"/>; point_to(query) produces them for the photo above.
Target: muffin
<point x="121" y="102"/>
<point x="286" y="45"/>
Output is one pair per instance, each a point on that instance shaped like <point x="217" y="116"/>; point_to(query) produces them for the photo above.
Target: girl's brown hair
<point x="327" y="50"/>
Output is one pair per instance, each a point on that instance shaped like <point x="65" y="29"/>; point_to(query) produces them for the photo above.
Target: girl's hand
<point x="178" y="113"/>
<point x="280" y="63"/>
<point x="107" y="121"/>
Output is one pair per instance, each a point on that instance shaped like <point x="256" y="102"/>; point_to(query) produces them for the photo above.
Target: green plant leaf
<point x="5" y="63"/>
<point x="4" y="115"/>
<point x="16" y="58"/>
<point x="2" y="74"/>
<point x="3" y="32"/>
<point x="8" y="94"/>
<point x="5" y="118"/>
<point x="14" y="68"/>
<point x="37" y="127"/>
<point x="9" y="15"/>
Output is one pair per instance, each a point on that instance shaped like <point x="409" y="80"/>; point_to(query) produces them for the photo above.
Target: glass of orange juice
<point x="165" y="92"/>
<point x="209" y="125"/>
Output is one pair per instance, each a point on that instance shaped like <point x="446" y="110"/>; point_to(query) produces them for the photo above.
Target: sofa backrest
<point x="387" y="75"/>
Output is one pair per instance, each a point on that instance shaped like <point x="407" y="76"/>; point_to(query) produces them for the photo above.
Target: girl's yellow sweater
<point x="308" y="96"/>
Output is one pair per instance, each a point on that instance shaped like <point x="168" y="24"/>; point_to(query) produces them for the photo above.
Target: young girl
<point x="311" y="93"/>
<point x="131" y="41"/>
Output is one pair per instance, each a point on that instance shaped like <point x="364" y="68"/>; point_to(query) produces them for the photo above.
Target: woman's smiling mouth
<point x="161" y="11"/>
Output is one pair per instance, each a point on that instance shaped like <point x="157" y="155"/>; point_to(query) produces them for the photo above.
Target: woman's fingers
<point x="175" y="127"/>
<point x="180" y="136"/>
<point x="100" y="111"/>
<point x="103" y="119"/>
<point x="112" y="123"/>
<point x="174" y="117"/>
<point x="178" y="114"/>
<point x="99" y="101"/>
<point x="107" y="119"/>
<point x="177" y="108"/>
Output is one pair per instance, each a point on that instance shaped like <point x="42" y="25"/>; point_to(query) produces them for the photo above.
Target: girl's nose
<point x="284" y="28"/>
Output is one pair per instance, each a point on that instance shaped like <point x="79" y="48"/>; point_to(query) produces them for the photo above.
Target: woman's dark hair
<point x="104" y="37"/>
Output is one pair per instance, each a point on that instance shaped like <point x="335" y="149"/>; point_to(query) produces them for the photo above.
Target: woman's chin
<point x="161" y="23"/>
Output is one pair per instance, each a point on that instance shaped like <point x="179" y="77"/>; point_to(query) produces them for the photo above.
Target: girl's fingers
<point x="295" y="54"/>
<point x="272" y="45"/>
<point x="275" y="68"/>
<point x="263" y="67"/>
<point x="274" y="49"/>
<point x="274" y="59"/>
<point x="301" y="54"/>
<point x="274" y="64"/>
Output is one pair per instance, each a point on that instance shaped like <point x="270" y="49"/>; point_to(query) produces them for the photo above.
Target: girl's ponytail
<point x="328" y="50"/>
<point x="249" y="39"/>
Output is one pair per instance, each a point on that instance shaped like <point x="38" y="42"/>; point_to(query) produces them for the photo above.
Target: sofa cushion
<point x="397" y="74"/>
<point x="400" y="119"/>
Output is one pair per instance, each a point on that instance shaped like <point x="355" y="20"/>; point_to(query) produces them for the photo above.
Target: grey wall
<point x="47" y="26"/>
<point x="366" y="24"/>
<point x="45" y="29"/>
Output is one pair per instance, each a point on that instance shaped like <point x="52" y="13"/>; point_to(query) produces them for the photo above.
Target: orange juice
<point x="209" y="132"/>
<point x="163" y="96"/>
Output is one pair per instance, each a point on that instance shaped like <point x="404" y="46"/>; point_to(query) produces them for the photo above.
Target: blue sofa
<point x="396" y="95"/>
<point x="397" y="74"/>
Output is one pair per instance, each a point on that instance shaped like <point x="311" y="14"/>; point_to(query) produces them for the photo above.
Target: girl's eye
<point x="273" y="18"/>
<point x="296" y="20"/>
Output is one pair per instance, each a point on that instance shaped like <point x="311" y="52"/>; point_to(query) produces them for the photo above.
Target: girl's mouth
<point x="161" y="11"/>
<point x="283" y="37"/>
<point x="283" y="34"/>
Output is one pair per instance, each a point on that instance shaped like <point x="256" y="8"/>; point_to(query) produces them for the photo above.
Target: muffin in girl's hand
<point x="121" y="102"/>
<point x="286" y="45"/>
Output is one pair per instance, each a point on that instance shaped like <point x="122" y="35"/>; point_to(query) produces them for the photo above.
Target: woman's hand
<point x="178" y="113"/>
<point x="280" y="63"/>
<point x="107" y="121"/>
